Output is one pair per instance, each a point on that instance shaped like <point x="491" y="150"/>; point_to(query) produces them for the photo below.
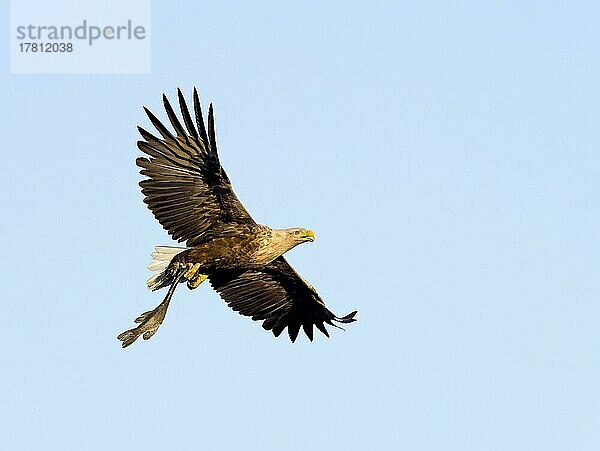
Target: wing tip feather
<point x="349" y="318"/>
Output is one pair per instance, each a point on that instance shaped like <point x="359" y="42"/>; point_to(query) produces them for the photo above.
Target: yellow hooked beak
<point x="309" y="235"/>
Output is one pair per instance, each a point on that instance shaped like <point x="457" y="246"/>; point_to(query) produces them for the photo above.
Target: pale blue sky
<point x="445" y="153"/>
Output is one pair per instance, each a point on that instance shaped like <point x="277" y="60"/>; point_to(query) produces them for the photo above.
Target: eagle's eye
<point x="296" y="232"/>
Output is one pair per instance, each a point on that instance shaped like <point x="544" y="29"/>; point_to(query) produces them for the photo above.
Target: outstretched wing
<point x="277" y="295"/>
<point x="186" y="188"/>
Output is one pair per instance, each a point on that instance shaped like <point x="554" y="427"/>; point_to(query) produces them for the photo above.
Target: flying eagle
<point x="189" y="193"/>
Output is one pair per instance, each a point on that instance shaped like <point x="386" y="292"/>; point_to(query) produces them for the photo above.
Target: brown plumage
<point x="189" y="193"/>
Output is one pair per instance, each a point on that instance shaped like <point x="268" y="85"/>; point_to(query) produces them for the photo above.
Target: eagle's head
<point x="282" y="240"/>
<point x="300" y="235"/>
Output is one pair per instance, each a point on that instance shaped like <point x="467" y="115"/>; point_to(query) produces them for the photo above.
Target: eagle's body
<point x="191" y="196"/>
<point x="252" y="247"/>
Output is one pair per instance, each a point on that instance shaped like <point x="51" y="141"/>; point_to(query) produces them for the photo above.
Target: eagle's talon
<point x="195" y="281"/>
<point x="192" y="270"/>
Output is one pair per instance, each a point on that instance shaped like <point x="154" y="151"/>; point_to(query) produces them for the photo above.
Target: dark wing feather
<point x="186" y="188"/>
<point x="278" y="296"/>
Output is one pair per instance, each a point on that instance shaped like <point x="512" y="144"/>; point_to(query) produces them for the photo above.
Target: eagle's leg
<point x="192" y="270"/>
<point x="194" y="277"/>
<point x="150" y="321"/>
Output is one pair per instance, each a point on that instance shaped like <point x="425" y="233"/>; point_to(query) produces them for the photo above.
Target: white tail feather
<point x="161" y="257"/>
